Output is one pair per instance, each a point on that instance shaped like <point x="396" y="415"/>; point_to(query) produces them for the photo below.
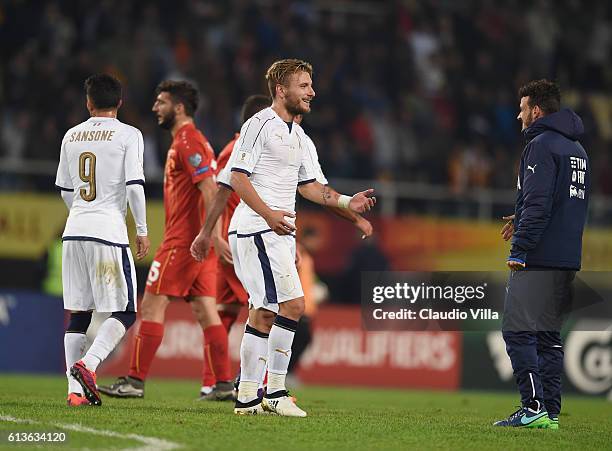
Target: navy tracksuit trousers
<point x="535" y="306"/>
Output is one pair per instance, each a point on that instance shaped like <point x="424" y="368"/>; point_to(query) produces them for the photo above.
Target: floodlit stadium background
<point x="415" y="98"/>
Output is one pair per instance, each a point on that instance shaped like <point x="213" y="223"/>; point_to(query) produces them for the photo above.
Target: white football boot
<point x="249" y="408"/>
<point x="282" y="404"/>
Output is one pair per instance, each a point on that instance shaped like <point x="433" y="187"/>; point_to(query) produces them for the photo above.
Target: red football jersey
<point x="234" y="199"/>
<point x="190" y="160"/>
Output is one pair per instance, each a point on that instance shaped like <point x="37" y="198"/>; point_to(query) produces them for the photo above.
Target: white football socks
<point x="74" y="348"/>
<point x="253" y="359"/>
<point x="109" y="335"/>
<point x="279" y="352"/>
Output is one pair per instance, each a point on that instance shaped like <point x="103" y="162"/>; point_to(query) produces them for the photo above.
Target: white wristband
<point x="343" y="201"/>
<point x="141" y="230"/>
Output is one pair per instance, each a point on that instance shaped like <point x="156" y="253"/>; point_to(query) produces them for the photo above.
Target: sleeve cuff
<point x="244" y="171"/>
<point x="518" y="260"/>
<point x="305" y="182"/>
<point x="197" y="178"/>
<point x="64" y="189"/>
<point x="225" y="185"/>
<point x="518" y="254"/>
<point x="135" y="182"/>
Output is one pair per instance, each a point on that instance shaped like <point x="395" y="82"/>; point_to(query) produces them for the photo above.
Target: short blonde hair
<point x="280" y="71"/>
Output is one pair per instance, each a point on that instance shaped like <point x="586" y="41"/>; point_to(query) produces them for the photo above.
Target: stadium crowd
<point x="406" y="90"/>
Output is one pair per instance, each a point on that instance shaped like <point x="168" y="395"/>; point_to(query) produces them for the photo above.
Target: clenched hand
<point x="277" y="222"/>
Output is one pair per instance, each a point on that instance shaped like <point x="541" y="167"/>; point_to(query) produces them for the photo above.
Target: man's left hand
<point x="362" y="201"/>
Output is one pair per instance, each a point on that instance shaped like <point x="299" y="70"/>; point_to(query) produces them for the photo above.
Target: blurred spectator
<point x="407" y="91"/>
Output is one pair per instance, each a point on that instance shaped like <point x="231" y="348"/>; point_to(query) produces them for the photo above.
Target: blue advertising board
<point x="31" y="332"/>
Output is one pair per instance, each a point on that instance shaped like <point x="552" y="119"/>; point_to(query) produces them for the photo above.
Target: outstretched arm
<point x="324" y="195"/>
<point x="359" y="221"/>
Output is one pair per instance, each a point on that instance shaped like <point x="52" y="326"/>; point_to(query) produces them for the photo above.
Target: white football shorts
<point x="265" y="265"/>
<point x="97" y="276"/>
<point x="233" y="244"/>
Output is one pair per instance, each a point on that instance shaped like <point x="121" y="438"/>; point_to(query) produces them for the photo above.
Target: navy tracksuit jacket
<point x="551" y="208"/>
<point x="552" y="194"/>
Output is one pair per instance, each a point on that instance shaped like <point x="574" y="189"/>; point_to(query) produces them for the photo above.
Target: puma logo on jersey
<point x="286" y="353"/>
<point x="532" y="168"/>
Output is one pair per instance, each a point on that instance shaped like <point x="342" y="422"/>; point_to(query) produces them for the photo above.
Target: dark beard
<point x="529" y="121"/>
<point x="168" y="121"/>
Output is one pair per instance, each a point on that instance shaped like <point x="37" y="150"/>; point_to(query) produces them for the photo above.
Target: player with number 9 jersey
<point x="98" y="159"/>
<point x="100" y="171"/>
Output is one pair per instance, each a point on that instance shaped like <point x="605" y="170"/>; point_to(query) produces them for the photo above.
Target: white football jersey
<point x="225" y="175"/>
<point x="320" y="177"/>
<point x="277" y="160"/>
<point x="98" y="159"/>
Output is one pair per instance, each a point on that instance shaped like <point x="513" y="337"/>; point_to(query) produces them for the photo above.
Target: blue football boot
<point x="526" y="417"/>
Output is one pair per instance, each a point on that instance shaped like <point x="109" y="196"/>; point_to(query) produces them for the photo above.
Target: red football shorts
<point x="229" y="288"/>
<point x="174" y="272"/>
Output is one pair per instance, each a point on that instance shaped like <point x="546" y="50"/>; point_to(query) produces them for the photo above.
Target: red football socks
<point x="208" y="377"/>
<point x="216" y="355"/>
<point x="146" y="342"/>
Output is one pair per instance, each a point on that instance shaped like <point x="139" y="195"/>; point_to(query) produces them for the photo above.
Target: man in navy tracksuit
<point x="551" y="208"/>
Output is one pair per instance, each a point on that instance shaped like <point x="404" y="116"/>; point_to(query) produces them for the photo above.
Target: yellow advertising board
<point x="29" y="222"/>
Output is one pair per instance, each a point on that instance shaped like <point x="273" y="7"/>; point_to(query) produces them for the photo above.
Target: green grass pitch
<point x="339" y="419"/>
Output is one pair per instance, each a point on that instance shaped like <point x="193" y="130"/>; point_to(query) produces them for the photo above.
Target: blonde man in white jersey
<point x="201" y="245"/>
<point x="100" y="171"/>
<point x="271" y="162"/>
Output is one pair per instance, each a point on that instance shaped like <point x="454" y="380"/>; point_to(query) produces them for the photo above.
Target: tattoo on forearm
<point x="326" y="194"/>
